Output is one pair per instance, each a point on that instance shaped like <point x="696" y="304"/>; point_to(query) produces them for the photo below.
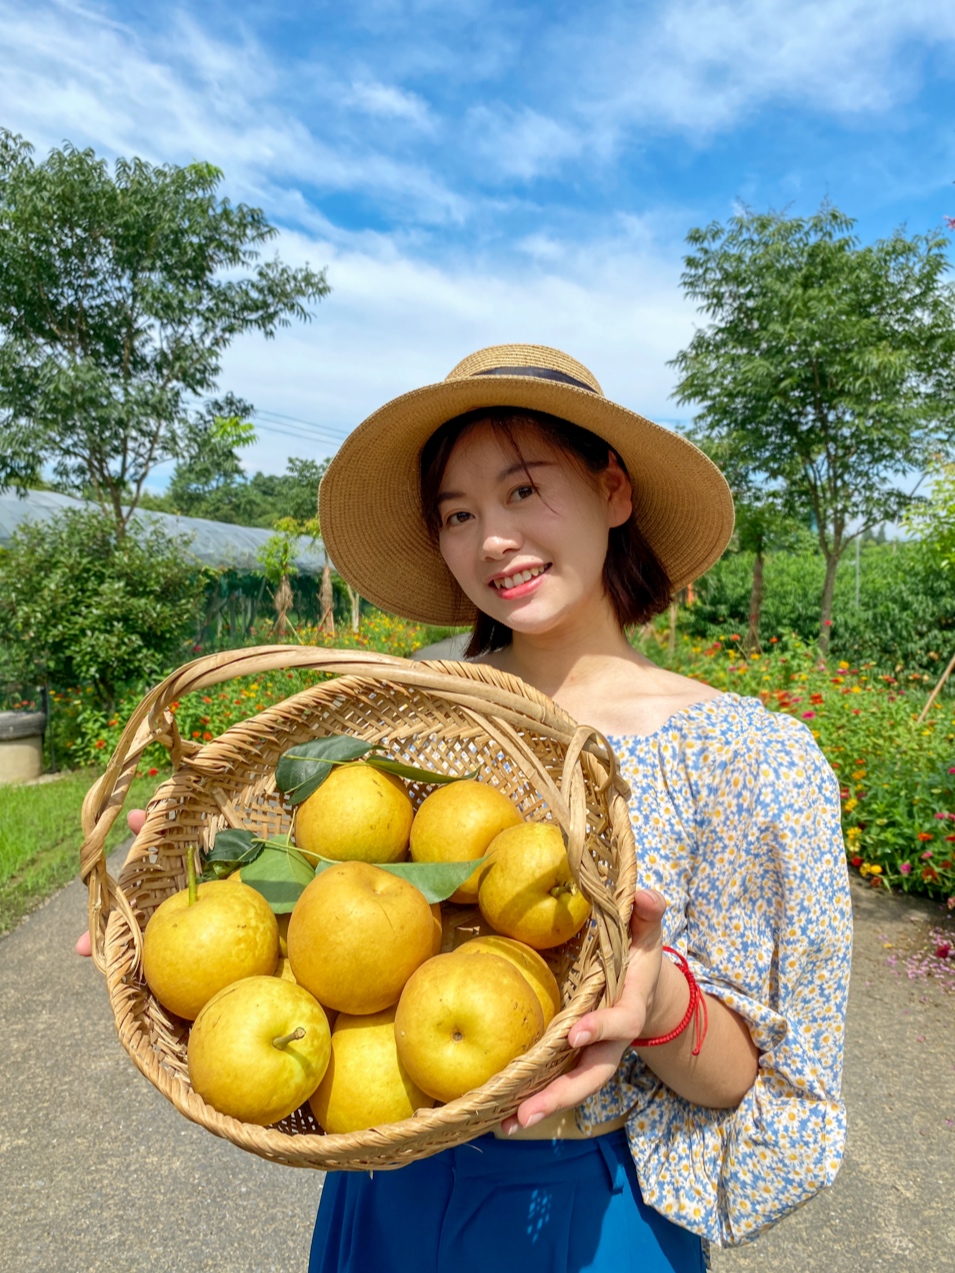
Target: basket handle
<point x="611" y="936"/>
<point x="153" y="721"/>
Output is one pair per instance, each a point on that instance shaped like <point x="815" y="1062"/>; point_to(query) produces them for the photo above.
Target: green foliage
<point x="933" y="519"/>
<point x="829" y="365"/>
<point x="119" y="293"/>
<point x="86" y="733"/>
<point x="84" y="605"/>
<point x="277" y="554"/>
<point x="216" y="488"/>
<point x="896" y="773"/>
<point x="906" y="611"/>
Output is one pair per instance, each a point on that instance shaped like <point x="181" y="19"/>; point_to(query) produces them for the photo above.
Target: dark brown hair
<point x="634" y="578"/>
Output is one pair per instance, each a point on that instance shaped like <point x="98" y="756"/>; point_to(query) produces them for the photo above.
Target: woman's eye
<point x="524" y="492"/>
<point x="456" y="518"/>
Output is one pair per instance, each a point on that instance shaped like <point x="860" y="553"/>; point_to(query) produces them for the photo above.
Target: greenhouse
<point x="216" y="544"/>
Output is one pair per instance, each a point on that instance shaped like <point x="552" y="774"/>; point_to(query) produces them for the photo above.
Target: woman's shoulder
<point x="722" y="731"/>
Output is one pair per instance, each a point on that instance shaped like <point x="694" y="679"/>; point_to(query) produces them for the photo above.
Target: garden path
<point x="101" y="1173"/>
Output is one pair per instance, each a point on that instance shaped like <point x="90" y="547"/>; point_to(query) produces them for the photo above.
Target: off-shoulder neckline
<point x="681" y="714"/>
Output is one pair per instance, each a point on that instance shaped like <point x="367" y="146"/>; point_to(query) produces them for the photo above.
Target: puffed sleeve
<point x="767" y="929"/>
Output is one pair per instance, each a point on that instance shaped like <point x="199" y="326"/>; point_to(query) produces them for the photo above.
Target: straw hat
<point x="370" y="505"/>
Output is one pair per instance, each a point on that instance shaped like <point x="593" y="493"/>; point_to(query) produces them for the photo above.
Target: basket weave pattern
<point x="448" y="717"/>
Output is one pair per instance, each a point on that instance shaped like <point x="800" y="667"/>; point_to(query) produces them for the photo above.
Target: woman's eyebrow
<point x="519" y="467"/>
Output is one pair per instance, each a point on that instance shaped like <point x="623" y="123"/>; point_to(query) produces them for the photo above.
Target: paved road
<point x="101" y="1173"/>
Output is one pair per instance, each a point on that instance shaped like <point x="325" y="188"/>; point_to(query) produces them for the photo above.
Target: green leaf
<point x="235" y="846"/>
<point x="304" y="767"/>
<point x="416" y="775"/>
<point x="279" y="873"/>
<point x="436" y="880"/>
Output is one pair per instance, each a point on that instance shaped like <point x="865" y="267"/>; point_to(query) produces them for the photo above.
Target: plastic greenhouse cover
<point x="214" y="543"/>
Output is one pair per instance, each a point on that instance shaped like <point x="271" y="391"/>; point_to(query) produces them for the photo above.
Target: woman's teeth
<point x="511" y="581"/>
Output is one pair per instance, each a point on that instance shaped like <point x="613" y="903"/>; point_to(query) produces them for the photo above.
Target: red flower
<point x="100" y="742"/>
<point x="924" y="835"/>
<point x="827" y="623"/>
<point x="207" y="737"/>
<point x="856" y="861"/>
<point x="815" y="698"/>
<point x="773" y="640"/>
<point x="943" y="950"/>
<point x="808" y="715"/>
<point x="152" y="773"/>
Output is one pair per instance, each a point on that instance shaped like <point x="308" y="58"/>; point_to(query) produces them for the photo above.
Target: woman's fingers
<point x="85" y="945"/>
<point x="597" y="1066"/>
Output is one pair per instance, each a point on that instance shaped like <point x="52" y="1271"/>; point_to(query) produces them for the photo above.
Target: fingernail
<point x="512" y="1127"/>
<point x="582" y="1039"/>
<point x="533" y="1120"/>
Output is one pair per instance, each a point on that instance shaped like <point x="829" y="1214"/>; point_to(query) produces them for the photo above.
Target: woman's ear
<point x="618" y="490"/>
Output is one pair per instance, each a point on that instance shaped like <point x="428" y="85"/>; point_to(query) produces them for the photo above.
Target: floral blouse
<point x="736" y="817"/>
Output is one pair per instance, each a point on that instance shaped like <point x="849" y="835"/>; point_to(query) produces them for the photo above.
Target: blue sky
<point x="478" y="172"/>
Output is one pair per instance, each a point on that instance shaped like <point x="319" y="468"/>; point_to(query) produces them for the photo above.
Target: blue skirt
<point x="526" y="1206"/>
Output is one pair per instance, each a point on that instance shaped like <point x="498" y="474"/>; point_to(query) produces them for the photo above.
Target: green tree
<point x="83" y="604"/>
<point x="277" y="559"/>
<point x="933" y="519"/>
<point x="119" y="293"/>
<point x="831" y="363"/>
<point x="211" y="462"/>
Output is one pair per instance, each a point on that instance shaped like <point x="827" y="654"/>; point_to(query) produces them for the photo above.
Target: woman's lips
<point x="522" y="589"/>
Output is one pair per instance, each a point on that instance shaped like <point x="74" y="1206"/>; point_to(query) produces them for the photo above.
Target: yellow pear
<point x="365" y="1084"/>
<point x="527" y="891"/>
<point x="358" y="814"/>
<point x="462" y="1020"/>
<point x="527" y="961"/>
<point x="190" y="953"/>
<point x="356" y="935"/>
<point x="259" y="1049"/>
<point x="456" y="823"/>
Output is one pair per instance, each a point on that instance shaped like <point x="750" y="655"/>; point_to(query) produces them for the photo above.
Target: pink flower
<point x="943" y="950"/>
<point x="808" y="715"/>
<point x="905" y="868"/>
<point x="827" y="623"/>
<point x="951" y="903"/>
<point x="927" y="854"/>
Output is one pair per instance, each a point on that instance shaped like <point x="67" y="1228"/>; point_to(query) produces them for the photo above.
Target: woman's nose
<point x="499" y="540"/>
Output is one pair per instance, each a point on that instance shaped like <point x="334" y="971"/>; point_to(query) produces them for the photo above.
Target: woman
<point x="514" y="496"/>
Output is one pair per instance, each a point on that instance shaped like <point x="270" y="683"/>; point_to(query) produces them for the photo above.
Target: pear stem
<point x="191" y="878"/>
<point x="284" y="1039"/>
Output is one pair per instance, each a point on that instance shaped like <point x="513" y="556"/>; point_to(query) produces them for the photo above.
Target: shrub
<point x="83" y="605"/>
<point x="905" y="615"/>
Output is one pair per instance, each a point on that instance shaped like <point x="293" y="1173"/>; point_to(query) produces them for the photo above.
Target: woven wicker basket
<point x="450" y="717"/>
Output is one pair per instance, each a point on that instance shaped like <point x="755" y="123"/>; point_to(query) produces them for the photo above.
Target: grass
<point x="40" y="838"/>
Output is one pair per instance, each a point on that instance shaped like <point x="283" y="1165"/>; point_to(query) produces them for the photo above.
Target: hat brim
<point x="370" y="505"/>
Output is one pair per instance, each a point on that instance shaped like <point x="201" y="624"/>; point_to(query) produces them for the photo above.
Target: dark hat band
<point x="539" y="373"/>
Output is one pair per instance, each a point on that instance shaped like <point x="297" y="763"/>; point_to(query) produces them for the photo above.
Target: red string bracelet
<point x="695" y="1012"/>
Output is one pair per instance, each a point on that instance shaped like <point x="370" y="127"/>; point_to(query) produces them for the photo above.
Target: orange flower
<point x="924" y="835"/>
<point x="207" y="737"/>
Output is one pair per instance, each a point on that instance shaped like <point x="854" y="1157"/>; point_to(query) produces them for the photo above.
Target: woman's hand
<point x="134" y="820"/>
<point x="649" y="996"/>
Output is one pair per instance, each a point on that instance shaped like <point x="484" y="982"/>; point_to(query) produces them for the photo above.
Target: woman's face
<point x="530" y="556"/>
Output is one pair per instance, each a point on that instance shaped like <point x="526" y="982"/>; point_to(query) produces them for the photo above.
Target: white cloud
<point x="389" y="102"/>
<point x="394" y="322"/>
<point x="189" y="96"/>
<point x="696" y="66"/>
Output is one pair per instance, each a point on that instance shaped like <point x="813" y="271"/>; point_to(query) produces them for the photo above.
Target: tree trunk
<point x="755" y="604"/>
<point x="355" y="600"/>
<point x="674" y="608"/>
<point x="283" y="603"/>
<point x="825" y="615"/>
<point x="327" y="621"/>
